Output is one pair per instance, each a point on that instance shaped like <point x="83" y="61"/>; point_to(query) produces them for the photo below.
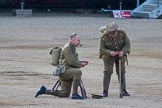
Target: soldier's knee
<point x="63" y="93"/>
<point x="122" y="72"/>
<point x="79" y="73"/>
<point x="107" y="72"/>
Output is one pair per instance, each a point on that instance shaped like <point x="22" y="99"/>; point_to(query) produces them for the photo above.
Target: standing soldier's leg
<point x="108" y="70"/>
<point x="106" y="83"/>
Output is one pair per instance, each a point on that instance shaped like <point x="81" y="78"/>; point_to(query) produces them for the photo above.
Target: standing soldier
<point x="114" y="45"/>
<point x="71" y="76"/>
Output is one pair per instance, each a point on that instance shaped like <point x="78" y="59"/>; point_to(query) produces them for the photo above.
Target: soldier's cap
<point x="95" y="96"/>
<point x="112" y="27"/>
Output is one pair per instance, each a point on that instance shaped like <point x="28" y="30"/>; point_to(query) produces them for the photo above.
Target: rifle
<point x="56" y="85"/>
<point x="82" y="89"/>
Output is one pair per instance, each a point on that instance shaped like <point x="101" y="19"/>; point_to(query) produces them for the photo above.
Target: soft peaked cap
<point x="112" y="27"/>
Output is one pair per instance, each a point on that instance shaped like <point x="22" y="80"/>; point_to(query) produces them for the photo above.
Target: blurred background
<point x="71" y="4"/>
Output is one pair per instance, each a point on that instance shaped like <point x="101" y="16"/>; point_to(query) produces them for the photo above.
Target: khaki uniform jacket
<point x="69" y="56"/>
<point x="108" y="44"/>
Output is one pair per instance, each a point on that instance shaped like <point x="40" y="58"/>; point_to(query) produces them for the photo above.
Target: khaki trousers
<point x="109" y="62"/>
<point x="71" y="78"/>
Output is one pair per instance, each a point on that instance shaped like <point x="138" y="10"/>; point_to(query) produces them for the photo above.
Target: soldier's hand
<point x="84" y="63"/>
<point x="120" y="54"/>
<point x="113" y="53"/>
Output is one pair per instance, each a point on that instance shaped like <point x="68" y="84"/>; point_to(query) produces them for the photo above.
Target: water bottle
<point x="57" y="71"/>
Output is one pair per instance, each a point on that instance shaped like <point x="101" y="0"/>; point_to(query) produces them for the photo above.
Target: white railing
<point x="151" y="9"/>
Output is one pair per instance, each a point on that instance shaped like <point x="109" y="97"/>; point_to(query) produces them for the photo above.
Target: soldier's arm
<point x="103" y="49"/>
<point x="126" y="48"/>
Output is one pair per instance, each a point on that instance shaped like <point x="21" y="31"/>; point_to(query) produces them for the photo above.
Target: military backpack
<point x="55" y="55"/>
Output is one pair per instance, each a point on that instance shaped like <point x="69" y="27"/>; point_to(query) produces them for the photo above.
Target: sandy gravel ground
<point x="25" y="43"/>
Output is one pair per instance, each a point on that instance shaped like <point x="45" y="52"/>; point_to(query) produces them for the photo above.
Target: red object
<point x="122" y="13"/>
<point x="125" y="14"/>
